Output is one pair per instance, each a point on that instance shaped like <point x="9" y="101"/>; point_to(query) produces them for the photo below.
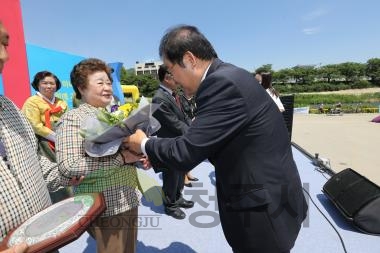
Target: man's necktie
<point x="176" y="98"/>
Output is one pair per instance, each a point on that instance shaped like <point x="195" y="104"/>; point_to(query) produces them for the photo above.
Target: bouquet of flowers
<point x="104" y="134"/>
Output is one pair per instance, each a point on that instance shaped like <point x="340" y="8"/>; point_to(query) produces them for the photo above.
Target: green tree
<point x="282" y="76"/>
<point x="147" y="84"/>
<point x="125" y="73"/>
<point x="264" y="68"/>
<point x="128" y="77"/>
<point x="329" y="72"/>
<point x="373" y="70"/>
<point x="304" y="73"/>
<point x="351" y="71"/>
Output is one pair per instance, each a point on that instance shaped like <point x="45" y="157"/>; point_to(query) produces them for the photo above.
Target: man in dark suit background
<point x="240" y="130"/>
<point x="174" y="122"/>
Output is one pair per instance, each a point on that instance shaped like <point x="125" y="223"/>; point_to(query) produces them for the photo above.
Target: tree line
<point x="300" y="78"/>
<point x="314" y="78"/>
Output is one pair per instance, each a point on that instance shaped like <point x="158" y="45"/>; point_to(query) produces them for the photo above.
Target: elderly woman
<point x="43" y="110"/>
<point x="112" y="175"/>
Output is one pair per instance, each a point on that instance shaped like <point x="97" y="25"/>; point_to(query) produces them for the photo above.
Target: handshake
<point x="131" y="150"/>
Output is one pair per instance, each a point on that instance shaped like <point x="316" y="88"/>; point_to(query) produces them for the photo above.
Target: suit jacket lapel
<point x="171" y="99"/>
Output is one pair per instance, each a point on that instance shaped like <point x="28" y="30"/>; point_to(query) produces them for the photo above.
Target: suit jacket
<point x="174" y="122"/>
<point x="240" y="130"/>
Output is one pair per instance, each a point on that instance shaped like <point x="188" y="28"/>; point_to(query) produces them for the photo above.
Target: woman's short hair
<point x="81" y="71"/>
<point x="41" y="75"/>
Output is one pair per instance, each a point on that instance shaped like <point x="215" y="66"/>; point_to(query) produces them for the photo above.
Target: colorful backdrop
<point x="26" y="60"/>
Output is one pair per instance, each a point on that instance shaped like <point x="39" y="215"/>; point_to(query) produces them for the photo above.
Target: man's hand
<point x="133" y="142"/>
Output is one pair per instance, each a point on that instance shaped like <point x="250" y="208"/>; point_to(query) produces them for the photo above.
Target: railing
<point x="347" y="110"/>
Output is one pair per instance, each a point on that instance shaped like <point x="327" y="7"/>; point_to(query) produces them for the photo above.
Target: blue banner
<point x="116" y="86"/>
<point x="59" y="63"/>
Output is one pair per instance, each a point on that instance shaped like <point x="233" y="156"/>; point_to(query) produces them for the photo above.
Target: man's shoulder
<point x="7" y="105"/>
<point x="228" y="69"/>
<point x="159" y="96"/>
<point x="4" y="99"/>
<point x="34" y="98"/>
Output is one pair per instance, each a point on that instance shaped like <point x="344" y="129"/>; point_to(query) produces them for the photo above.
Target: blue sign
<point x="59" y="63"/>
<point x="116" y="86"/>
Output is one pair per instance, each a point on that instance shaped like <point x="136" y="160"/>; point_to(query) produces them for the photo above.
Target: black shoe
<point x="193" y="179"/>
<point x="175" y="212"/>
<point x="189" y="185"/>
<point x="184" y="203"/>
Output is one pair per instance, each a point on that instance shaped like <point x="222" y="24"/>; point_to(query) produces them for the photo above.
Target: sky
<point x="246" y="33"/>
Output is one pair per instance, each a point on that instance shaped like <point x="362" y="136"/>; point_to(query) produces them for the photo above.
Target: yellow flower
<point x="127" y="108"/>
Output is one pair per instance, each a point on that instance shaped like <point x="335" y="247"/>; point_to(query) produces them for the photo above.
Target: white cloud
<point x="311" y="30"/>
<point x="315" y="14"/>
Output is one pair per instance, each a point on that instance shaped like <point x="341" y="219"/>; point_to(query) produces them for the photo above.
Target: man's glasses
<point x="169" y="74"/>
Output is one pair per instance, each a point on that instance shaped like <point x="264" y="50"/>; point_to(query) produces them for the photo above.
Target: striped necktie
<point x="176" y="98"/>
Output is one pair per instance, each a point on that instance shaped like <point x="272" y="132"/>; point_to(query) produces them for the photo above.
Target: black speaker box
<point x="288" y="103"/>
<point x="357" y="198"/>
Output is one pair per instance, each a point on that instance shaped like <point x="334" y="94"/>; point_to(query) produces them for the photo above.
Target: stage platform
<point x="324" y="230"/>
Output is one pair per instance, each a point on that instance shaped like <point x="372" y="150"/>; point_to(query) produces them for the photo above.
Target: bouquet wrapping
<point x="104" y="134"/>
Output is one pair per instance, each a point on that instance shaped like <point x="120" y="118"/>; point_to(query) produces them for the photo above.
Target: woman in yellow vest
<point x="43" y="111"/>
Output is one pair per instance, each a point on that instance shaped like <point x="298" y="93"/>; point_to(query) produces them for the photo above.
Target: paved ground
<point x="201" y="232"/>
<point x="348" y="141"/>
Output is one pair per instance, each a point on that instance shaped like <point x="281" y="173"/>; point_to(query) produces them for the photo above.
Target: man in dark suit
<point x="240" y="130"/>
<point x="174" y="122"/>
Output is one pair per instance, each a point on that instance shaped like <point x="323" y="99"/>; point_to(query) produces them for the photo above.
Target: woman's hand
<point x="146" y="163"/>
<point x="18" y="248"/>
<point x="74" y="181"/>
<point x="130" y="156"/>
<point x="133" y="142"/>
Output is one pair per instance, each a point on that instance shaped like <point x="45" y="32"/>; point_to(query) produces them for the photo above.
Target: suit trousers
<point x="116" y="233"/>
<point x="172" y="184"/>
